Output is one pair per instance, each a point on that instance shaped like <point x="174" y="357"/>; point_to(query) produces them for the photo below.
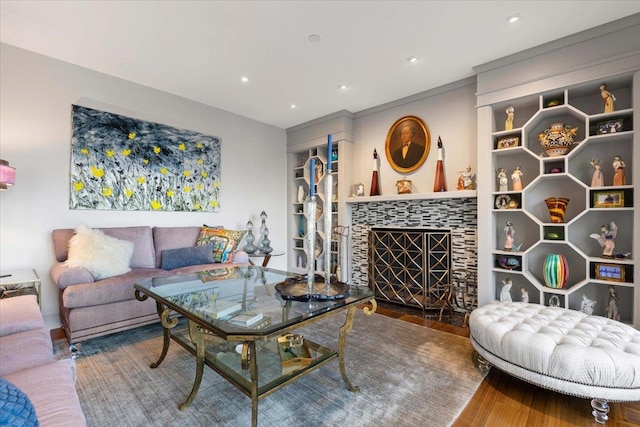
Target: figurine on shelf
<point x="606" y="238"/>
<point x="516" y="179"/>
<point x="612" y="305"/>
<point x="524" y="295"/>
<point x="597" y="180"/>
<point x="587" y="305"/>
<point x="508" y="124"/>
<point x="618" y="171"/>
<point x="608" y="99"/>
<point x="465" y="180"/>
<point x="505" y="292"/>
<point x="502" y="179"/>
<point x="509" y="233"/>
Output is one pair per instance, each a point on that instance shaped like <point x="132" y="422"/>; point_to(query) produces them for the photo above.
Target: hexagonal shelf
<point x="558" y="186"/>
<point x="543" y="120"/>
<point x="576" y="262"/>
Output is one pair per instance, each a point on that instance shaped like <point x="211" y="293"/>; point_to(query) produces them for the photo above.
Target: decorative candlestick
<point x="328" y="214"/>
<point x="440" y="183"/>
<point x="375" y="185"/>
<point x="310" y="237"/>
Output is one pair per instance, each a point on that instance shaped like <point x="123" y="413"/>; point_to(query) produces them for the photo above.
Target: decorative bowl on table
<point x="558" y="139"/>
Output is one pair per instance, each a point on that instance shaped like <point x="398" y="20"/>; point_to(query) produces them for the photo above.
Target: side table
<point x="267" y="257"/>
<point x="19" y="282"/>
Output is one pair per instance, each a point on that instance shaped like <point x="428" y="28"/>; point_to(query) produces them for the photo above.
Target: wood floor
<point x="502" y="400"/>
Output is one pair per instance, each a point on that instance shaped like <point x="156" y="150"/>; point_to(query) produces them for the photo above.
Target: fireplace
<point x="410" y="266"/>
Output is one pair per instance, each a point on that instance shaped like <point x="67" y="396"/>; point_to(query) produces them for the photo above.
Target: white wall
<point x="448" y="112"/>
<point x="36" y="94"/>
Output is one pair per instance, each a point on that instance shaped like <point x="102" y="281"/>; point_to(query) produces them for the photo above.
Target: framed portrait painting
<point x="408" y="143"/>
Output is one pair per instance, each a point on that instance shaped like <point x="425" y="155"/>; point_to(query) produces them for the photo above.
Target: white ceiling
<point x="201" y="49"/>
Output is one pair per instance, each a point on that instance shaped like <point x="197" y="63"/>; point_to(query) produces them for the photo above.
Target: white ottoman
<point x="563" y="350"/>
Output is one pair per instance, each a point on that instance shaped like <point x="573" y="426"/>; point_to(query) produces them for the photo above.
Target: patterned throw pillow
<point x="224" y="242"/>
<point x="15" y="407"/>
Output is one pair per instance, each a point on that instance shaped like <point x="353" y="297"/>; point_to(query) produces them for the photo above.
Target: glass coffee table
<point x="264" y="356"/>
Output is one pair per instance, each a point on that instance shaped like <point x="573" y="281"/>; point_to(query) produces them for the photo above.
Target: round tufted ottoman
<point x="563" y="350"/>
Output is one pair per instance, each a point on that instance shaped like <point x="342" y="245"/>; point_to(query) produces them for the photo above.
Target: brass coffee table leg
<point x="345" y="329"/>
<point x="253" y="372"/>
<point x="198" y="340"/>
<point x="167" y="324"/>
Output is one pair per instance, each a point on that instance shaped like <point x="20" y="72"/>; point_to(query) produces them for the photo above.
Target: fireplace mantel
<point x="458" y="194"/>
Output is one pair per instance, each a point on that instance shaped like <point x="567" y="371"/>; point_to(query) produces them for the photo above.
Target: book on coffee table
<point x="246" y="318"/>
<point x="220" y="309"/>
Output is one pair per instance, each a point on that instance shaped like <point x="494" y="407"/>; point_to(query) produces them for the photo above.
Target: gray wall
<point x="35" y="136"/>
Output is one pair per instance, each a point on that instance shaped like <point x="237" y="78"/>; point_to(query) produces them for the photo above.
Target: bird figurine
<point x="606" y="238"/>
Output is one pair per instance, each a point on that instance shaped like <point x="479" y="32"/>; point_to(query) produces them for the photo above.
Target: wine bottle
<point x="440" y="183"/>
<point x="375" y="185"/>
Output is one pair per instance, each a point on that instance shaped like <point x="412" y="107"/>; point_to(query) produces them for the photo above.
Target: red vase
<point x="440" y="183"/>
<point x="375" y="185"/>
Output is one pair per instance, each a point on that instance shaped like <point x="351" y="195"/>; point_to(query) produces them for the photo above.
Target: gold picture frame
<point x="414" y="131"/>
<point x="608" y="199"/>
<point x="609" y="272"/>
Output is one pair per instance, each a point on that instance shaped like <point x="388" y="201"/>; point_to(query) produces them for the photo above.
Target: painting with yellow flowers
<point x="120" y="163"/>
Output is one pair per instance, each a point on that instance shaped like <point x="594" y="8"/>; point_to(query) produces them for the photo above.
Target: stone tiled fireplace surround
<point x="457" y="214"/>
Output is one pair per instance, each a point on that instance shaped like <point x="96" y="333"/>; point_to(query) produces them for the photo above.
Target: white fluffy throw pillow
<point x="103" y="256"/>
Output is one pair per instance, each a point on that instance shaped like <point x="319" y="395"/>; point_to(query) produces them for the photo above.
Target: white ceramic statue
<point x="587" y="305"/>
<point x="505" y="292"/>
<point x="524" y="295"/>
<point x="502" y="180"/>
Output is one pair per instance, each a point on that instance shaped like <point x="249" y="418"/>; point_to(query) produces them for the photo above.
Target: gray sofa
<point x="90" y="308"/>
<point x="28" y="364"/>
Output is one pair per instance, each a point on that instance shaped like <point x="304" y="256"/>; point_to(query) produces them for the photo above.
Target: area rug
<point x="408" y="376"/>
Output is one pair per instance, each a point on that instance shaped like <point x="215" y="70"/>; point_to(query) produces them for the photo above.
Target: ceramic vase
<point x="558" y="139"/>
<point x="556" y="271"/>
<point x="557" y="207"/>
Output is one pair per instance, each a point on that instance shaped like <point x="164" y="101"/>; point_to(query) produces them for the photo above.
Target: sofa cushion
<point x="20" y="314"/>
<point x="224" y="242"/>
<point x="16" y="408"/>
<point x="143" y="254"/>
<point x="103" y="256"/>
<point x="52" y="390"/>
<point x="183" y="257"/>
<point x="112" y="289"/>
<point x="173" y="238"/>
<point x="25" y="350"/>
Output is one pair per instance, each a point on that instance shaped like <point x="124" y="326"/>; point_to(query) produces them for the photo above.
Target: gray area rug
<point x="408" y="376"/>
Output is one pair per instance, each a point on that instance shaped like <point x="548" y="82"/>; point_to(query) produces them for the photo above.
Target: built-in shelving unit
<point x="300" y="169"/>
<point x="565" y="176"/>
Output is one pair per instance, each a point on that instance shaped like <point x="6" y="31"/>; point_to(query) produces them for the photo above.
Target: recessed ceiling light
<point x="513" y="18"/>
<point x="292" y="106"/>
<point x="412" y="59"/>
<point x="343" y="87"/>
<point x="314" y="38"/>
<point x="244" y="79"/>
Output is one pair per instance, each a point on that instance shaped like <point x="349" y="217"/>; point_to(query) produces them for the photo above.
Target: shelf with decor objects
<point x="558" y="212"/>
<point x="300" y="169"/>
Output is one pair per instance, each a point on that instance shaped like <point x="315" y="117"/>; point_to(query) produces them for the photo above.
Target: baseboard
<point x="52" y="321"/>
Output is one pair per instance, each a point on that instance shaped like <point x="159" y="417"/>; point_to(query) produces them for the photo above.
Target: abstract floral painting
<point x="120" y="163"/>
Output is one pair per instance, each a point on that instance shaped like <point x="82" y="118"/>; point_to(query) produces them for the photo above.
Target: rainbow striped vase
<point x="556" y="271"/>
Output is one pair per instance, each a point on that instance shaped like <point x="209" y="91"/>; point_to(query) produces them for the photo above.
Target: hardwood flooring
<point x="504" y="401"/>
